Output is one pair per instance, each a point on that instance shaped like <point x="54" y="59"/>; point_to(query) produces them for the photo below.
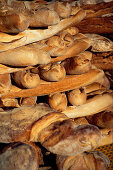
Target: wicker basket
<point x="108" y="151"/>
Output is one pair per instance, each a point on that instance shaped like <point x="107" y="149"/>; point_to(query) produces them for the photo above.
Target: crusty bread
<point x="68" y="83"/>
<point x="5" y="84"/>
<point x="21" y="156"/>
<point x="24" y="56"/>
<point x="54" y="130"/>
<point x="26" y="79"/>
<point x="30" y="36"/>
<point x="88" y="160"/>
<point x="16" y="123"/>
<point x="94" y="105"/>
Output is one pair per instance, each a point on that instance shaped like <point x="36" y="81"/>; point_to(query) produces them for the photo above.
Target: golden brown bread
<point x="7" y="69"/>
<point x="58" y="101"/>
<point x="88" y="160"/>
<point x="26" y="79"/>
<point x="5" y="84"/>
<point x="28" y="101"/>
<point x="92" y="106"/>
<point x="21" y="156"/>
<point x="24" y="56"/>
<point x="9" y="102"/>
<point x="77" y="47"/>
<point x="52" y="72"/>
<point x="30" y="36"/>
<point x="68" y="83"/>
<point x="78" y="64"/>
<point x="77" y="97"/>
<point x="12" y="21"/>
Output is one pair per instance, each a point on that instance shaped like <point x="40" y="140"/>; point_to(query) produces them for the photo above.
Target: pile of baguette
<point x="56" y="104"/>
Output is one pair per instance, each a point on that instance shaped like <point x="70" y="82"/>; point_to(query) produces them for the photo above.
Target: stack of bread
<point x="53" y="100"/>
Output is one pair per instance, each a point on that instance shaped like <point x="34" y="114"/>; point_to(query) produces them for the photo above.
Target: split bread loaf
<point x="21" y="156"/>
<point x="54" y="130"/>
<point x="29" y="36"/>
<point x="86" y="161"/>
<point x="68" y="83"/>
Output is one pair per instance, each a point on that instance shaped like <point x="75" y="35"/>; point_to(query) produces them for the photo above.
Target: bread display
<point x="56" y="96"/>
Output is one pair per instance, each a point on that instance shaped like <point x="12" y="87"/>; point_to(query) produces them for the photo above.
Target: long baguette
<point x="94" y="105"/>
<point x="30" y="36"/>
<point x="79" y="46"/>
<point x="68" y="83"/>
<point x="24" y="56"/>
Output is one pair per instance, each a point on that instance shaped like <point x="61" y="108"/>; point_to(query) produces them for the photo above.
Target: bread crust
<point x="46" y="88"/>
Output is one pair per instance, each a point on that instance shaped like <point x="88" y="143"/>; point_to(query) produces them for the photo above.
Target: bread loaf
<point x="94" y="105"/>
<point x="54" y="131"/>
<point x="68" y="83"/>
<point x="26" y="79"/>
<point x="30" y="36"/>
<point x="24" y="56"/>
<point x="92" y="160"/>
<point x="21" y="156"/>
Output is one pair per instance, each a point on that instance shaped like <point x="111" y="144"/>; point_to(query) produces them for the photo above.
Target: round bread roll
<point x="58" y="101"/>
<point x="26" y="79"/>
<point x="77" y="97"/>
<point x="52" y="72"/>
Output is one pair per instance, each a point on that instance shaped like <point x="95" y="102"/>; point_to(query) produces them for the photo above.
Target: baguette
<point x="30" y="36"/>
<point x="7" y="69"/>
<point x="94" y="105"/>
<point x="24" y="56"/>
<point x="88" y="160"/>
<point x="77" y="47"/>
<point x="78" y="64"/>
<point x="46" y="88"/>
